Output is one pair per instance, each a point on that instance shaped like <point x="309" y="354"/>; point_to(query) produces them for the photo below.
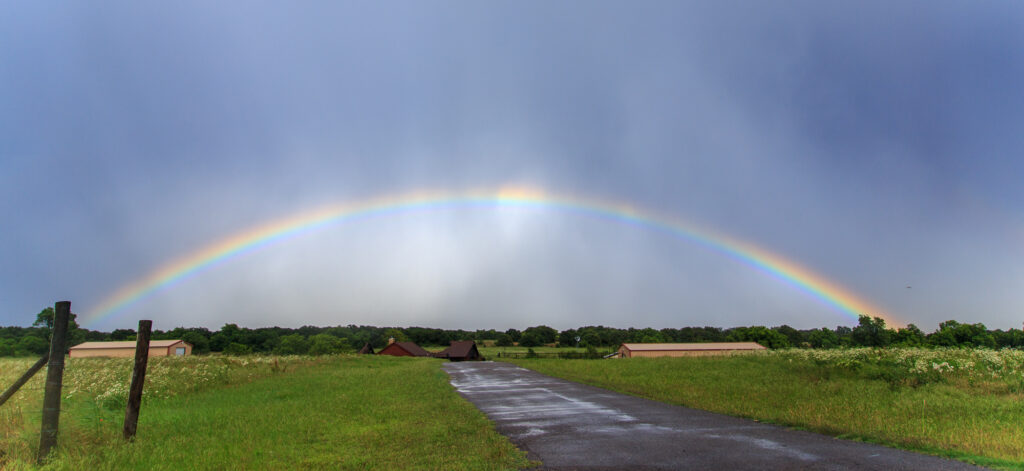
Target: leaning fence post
<point x="24" y="379"/>
<point x="131" y="415"/>
<point x="54" y="379"/>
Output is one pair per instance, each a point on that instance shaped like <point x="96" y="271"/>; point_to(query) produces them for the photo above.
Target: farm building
<point x="628" y="350"/>
<point x="157" y="348"/>
<point x="460" y="350"/>
<point x="403" y="349"/>
<point x="366" y="350"/>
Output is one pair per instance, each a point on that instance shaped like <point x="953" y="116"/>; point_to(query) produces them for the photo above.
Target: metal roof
<point x="659" y="347"/>
<point x="125" y="344"/>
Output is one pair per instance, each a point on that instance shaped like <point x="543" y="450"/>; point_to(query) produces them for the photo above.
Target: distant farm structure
<point x="157" y="348"/>
<point x="403" y="349"/>
<point x="630" y="350"/>
<point x="459" y="350"/>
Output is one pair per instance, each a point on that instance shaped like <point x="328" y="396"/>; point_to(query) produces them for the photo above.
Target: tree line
<point x="232" y="339"/>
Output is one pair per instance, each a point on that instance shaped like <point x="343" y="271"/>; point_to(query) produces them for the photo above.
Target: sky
<point x="875" y="144"/>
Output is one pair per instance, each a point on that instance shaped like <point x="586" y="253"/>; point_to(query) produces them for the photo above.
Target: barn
<point x="157" y="348"/>
<point x="404" y="349"/>
<point x="460" y="350"/>
<point x="629" y="350"/>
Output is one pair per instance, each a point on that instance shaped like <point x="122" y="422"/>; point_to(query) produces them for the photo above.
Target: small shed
<point x="157" y="348"/>
<point x="404" y="349"/>
<point x="366" y="350"/>
<point x="629" y="350"/>
<point x="460" y="350"/>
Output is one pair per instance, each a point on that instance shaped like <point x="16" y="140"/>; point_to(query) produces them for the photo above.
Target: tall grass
<point x="967" y="404"/>
<point x="337" y="412"/>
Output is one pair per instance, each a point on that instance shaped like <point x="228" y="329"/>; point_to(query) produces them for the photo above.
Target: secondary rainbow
<point x="276" y="231"/>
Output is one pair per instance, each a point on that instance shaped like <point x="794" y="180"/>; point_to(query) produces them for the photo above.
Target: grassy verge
<point x="342" y="412"/>
<point x="969" y="408"/>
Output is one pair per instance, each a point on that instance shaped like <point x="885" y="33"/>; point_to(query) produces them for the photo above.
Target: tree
<point x="794" y="336"/>
<point x="32" y="345"/>
<point x="530" y="339"/>
<point x="396" y="334"/>
<point x="44" y="320"/>
<point x="823" y="338"/>
<point x="122" y="334"/>
<point x="590" y="339"/>
<point x="544" y="334"/>
<point x="515" y="334"/>
<point x="7" y="348"/>
<point x="235" y="348"/>
<point x="871" y="332"/>
<point x="910" y="336"/>
<point x="294" y="344"/>
<point x="760" y="334"/>
<point x="326" y="344"/>
<point x="504" y="340"/>
<point x="954" y="334"/>
<point x="200" y="344"/>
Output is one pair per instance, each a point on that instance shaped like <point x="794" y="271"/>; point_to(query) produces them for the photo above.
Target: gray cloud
<point x="874" y="143"/>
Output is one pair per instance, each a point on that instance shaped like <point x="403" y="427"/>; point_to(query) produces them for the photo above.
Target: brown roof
<point x="661" y="347"/>
<point x="366" y="350"/>
<point x="125" y="344"/>
<point x="412" y="348"/>
<point x="457" y="349"/>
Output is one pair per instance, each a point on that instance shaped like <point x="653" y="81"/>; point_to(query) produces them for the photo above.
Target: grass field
<point x="966" y="404"/>
<point x="338" y="412"/>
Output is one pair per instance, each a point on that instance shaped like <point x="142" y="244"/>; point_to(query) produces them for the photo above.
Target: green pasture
<point x="966" y="404"/>
<point x="335" y="412"/>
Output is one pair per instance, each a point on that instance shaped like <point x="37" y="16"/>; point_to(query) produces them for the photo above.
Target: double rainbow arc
<point x="279" y="230"/>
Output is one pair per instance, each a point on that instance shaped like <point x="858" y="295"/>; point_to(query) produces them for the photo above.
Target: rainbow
<point x="279" y="230"/>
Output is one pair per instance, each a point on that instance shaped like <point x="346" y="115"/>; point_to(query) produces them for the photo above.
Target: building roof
<point x="366" y="350"/>
<point x="663" y="347"/>
<point x="126" y="344"/>
<point x="457" y="349"/>
<point x="411" y="347"/>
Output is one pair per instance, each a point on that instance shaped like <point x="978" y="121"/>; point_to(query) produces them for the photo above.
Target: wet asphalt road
<point x="569" y="425"/>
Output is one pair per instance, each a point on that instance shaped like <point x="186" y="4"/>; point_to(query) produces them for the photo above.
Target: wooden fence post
<point x="54" y="379"/>
<point x="24" y="379"/>
<point x="131" y="415"/>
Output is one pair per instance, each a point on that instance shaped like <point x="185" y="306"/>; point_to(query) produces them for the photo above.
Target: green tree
<point x="235" y="348"/>
<point x="530" y="339"/>
<point x="760" y="334"/>
<point x="504" y="340"/>
<point x="32" y="345"/>
<point x="795" y="337"/>
<point x="871" y="332"/>
<point x="7" y="347"/>
<point x="44" y="321"/>
<point x="544" y="333"/>
<point x="396" y="334"/>
<point x="823" y="338"/>
<point x="326" y="344"/>
<point x="294" y="344"/>
<point x="200" y="344"/>
<point x="909" y="336"/>
<point x="590" y="339"/>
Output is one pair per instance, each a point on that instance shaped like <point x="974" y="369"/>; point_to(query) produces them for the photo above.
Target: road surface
<point x="569" y="426"/>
